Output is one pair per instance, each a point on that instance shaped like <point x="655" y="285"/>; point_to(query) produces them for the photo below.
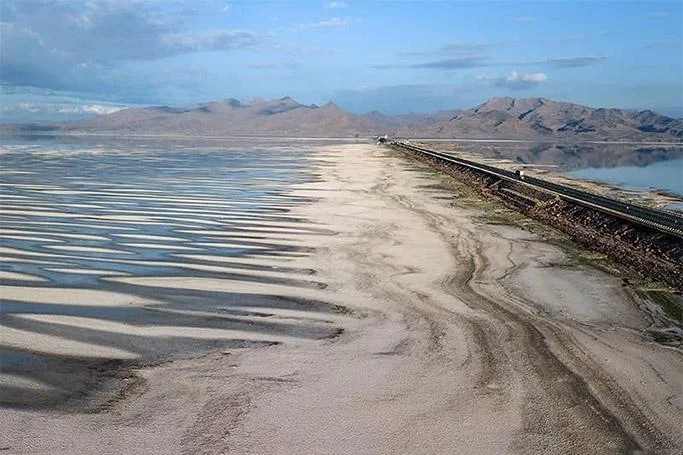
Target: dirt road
<point x="459" y="337"/>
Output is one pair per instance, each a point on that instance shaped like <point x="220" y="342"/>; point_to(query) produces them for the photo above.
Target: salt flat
<point x="390" y="320"/>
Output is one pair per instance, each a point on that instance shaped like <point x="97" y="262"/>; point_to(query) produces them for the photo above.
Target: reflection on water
<point x="132" y="254"/>
<point x="568" y="157"/>
<point x="645" y="166"/>
<point x="666" y="176"/>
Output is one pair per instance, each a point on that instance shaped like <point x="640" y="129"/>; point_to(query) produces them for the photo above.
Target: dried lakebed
<point x="403" y="324"/>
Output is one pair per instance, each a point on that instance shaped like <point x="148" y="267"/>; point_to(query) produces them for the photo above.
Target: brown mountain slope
<point x="539" y="118"/>
<point x="497" y="118"/>
<point x="283" y="117"/>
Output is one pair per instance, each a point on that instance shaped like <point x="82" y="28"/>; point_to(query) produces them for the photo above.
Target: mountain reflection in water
<point x="570" y="157"/>
<point x="666" y="176"/>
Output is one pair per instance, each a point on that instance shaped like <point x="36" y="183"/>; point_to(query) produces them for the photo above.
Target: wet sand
<point x="392" y="322"/>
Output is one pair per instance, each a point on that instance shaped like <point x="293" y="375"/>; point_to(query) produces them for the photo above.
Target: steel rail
<point x="662" y="221"/>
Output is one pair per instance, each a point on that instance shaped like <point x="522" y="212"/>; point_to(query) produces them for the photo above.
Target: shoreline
<point x="455" y="334"/>
<point x="367" y="136"/>
<point x="654" y="197"/>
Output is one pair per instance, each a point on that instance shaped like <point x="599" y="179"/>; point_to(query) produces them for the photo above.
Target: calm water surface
<point x="631" y="166"/>
<point x="138" y="202"/>
<point x="666" y="176"/>
<point x="79" y="220"/>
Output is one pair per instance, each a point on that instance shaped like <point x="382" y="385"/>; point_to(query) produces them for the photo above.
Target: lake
<point x="119" y="253"/>
<point x="665" y="175"/>
<point x="632" y="166"/>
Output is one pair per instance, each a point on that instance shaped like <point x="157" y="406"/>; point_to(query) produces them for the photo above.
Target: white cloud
<point x="336" y="5"/>
<point x="514" y="80"/>
<point x="514" y="76"/>
<point x="210" y="40"/>
<point x="575" y="62"/>
<point x="333" y="22"/>
<point x="226" y="9"/>
<point x="59" y="108"/>
<point x="29" y="107"/>
<point x="99" y="109"/>
<point x="79" y="46"/>
<point x="523" y="19"/>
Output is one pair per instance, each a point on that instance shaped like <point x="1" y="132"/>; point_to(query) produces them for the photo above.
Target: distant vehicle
<point x="383" y="139"/>
<point x="520" y="174"/>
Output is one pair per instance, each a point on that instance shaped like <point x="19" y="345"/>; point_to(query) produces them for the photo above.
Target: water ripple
<point x="130" y="255"/>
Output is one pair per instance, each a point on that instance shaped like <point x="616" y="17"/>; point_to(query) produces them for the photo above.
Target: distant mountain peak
<point x="233" y="102"/>
<point x="278" y="106"/>
<point x="256" y="101"/>
<point x="499" y="99"/>
<point x="287" y="101"/>
<point x="498" y="117"/>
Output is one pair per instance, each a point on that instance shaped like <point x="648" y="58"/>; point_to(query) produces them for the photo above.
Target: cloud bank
<point x="575" y="62"/>
<point x="333" y="22"/>
<point x="82" y="45"/>
<point x="455" y="63"/>
<point x="514" y="80"/>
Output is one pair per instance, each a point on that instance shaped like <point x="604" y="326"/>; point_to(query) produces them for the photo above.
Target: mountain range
<point x="497" y="118"/>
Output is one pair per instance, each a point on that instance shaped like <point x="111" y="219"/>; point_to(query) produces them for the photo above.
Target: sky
<point x="69" y="59"/>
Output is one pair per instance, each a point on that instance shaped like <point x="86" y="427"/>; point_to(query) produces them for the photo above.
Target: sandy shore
<point x="457" y="337"/>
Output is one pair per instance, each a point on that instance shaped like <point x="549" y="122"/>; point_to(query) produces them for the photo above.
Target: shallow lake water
<point x="110" y="210"/>
<point x="81" y="221"/>
<point x="647" y="166"/>
<point x="666" y="176"/>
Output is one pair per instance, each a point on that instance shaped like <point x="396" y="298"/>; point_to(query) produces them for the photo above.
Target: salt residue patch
<point x="23" y="382"/>
<point x="158" y="331"/>
<point x="160" y="246"/>
<point x="152" y="237"/>
<point x="29" y="238"/>
<point x="56" y="234"/>
<point x="5" y="275"/>
<point x="263" y="260"/>
<point x="225" y="270"/>
<point x="119" y="218"/>
<point x="231" y="245"/>
<point x="95" y="225"/>
<point x="50" y="344"/>
<point x="86" y="249"/>
<point x="228" y="285"/>
<point x="86" y="271"/>
<point x="19" y="252"/>
<point x="52" y="214"/>
<point x="71" y="296"/>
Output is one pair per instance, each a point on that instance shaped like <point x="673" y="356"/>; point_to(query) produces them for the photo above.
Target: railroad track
<point x="660" y="220"/>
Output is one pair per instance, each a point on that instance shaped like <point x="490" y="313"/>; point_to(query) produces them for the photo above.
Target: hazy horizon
<point x="69" y="59"/>
<point x="31" y="115"/>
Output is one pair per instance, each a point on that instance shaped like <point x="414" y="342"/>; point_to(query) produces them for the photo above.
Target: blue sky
<point x="66" y="59"/>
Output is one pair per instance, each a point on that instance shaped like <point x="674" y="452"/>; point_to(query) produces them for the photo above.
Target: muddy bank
<point x="653" y="254"/>
<point x="459" y="336"/>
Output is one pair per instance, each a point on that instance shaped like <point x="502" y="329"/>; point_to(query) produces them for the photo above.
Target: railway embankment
<point x="643" y="247"/>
